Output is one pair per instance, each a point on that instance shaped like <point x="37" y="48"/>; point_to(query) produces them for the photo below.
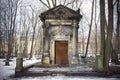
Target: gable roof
<point x="60" y="12"/>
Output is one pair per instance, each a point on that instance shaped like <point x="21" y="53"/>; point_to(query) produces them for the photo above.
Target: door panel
<point x="61" y="52"/>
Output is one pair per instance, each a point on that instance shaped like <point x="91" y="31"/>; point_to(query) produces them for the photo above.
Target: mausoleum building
<point x="60" y="35"/>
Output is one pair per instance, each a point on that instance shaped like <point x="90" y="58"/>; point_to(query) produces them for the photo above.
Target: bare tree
<point x="117" y="36"/>
<point x="1" y="35"/>
<point x="90" y="26"/>
<point x="34" y="21"/>
<point x="118" y="30"/>
<point x="108" y="48"/>
<point x="26" y="25"/>
<point x="24" y="30"/>
<point x="96" y="49"/>
<point x="116" y="42"/>
<point x="102" y="26"/>
<point x="10" y="24"/>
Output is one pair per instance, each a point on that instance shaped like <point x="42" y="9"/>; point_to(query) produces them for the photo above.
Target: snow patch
<point x="31" y="61"/>
<point x="113" y="64"/>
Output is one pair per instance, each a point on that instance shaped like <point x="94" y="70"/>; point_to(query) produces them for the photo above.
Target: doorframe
<point x="55" y="49"/>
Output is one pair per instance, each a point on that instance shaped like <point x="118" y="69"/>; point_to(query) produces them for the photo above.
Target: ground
<point x="7" y="73"/>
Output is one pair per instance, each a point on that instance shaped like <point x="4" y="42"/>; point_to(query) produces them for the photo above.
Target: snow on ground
<point x="62" y="77"/>
<point x="73" y="69"/>
<point x="7" y="71"/>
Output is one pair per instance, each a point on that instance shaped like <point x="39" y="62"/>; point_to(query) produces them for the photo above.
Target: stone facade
<point x="60" y="24"/>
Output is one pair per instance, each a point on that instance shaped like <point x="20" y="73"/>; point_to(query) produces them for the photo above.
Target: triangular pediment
<point x="59" y="12"/>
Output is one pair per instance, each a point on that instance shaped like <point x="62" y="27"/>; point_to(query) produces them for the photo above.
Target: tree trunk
<point x="25" y="50"/>
<point x="108" y="49"/>
<point x="31" y="52"/>
<point x="117" y="38"/>
<point x="102" y="28"/>
<point x="96" y="45"/>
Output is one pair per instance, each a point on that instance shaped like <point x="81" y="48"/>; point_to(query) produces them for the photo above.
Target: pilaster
<point x="46" y="45"/>
<point x="75" y="42"/>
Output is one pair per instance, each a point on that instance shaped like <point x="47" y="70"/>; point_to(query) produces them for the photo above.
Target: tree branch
<point x="115" y="2"/>
<point x="48" y="3"/>
<point x="64" y="2"/>
<point x="70" y="2"/>
<point x="53" y="3"/>
<point x="44" y="4"/>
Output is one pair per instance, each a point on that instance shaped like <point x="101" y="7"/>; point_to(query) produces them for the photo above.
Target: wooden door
<point x="61" y="52"/>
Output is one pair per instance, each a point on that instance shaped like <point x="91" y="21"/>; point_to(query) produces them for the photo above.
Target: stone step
<point x="55" y="73"/>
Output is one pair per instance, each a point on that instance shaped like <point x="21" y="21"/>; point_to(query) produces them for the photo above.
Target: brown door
<point x="61" y="52"/>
